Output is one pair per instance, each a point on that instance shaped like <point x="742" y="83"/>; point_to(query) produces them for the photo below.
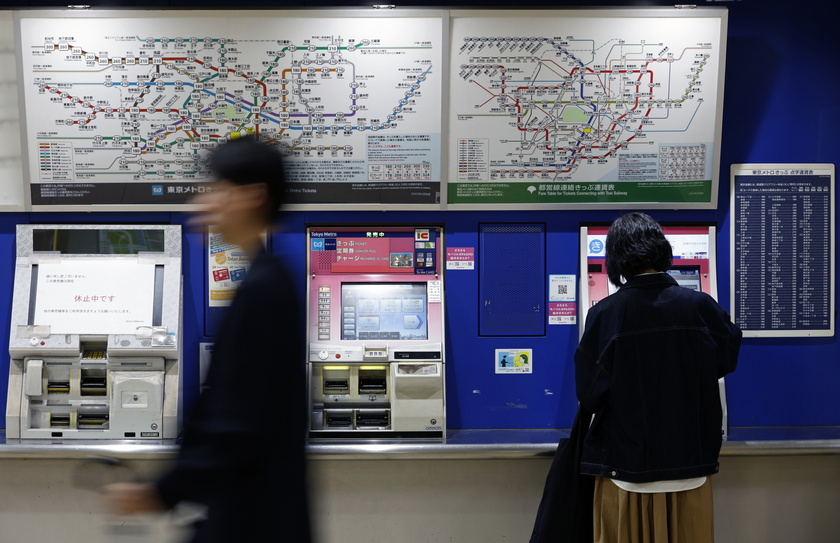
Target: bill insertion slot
<point x="336" y="379"/>
<point x="92" y="420"/>
<point x="335" y="418"/>
<point x="58" y="387"/>
<point x="372" y="385"/>
<point x="60" y="421"/>
<point x="373" y="379"/>
<point x="336" y="386"/>
<point x="373" y="418"/>
<point x="94" y="382"/>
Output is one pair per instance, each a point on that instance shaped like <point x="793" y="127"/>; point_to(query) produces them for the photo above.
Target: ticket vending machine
<point x="693" y="267"/>
<point x="95" y="333"/>
<point x="375" y="332"/>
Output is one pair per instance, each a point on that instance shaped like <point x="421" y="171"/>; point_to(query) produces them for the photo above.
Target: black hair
<point x="635" y="243"/>
<point x="245" y="161"/>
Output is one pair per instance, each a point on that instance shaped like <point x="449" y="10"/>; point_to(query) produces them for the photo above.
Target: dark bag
<point x="565" y="511"/>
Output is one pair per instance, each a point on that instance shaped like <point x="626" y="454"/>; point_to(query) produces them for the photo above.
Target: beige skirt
<point x="662" y="517"/>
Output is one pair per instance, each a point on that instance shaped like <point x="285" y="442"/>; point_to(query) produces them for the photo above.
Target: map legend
<point x="55" y="161"/>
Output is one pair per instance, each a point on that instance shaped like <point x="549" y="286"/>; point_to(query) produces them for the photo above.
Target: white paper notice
<point x="106" y="296"/>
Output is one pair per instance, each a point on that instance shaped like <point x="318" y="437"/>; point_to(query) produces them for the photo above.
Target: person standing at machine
<point x="647" y="367"/>
<point x="242" y="454"/>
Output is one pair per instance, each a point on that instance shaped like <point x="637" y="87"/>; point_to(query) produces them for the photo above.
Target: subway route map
<point x="126" y="110"/>
<point x="583" y="108"/>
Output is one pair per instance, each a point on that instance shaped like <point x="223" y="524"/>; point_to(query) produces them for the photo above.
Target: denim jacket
<point x="648" y="366"/>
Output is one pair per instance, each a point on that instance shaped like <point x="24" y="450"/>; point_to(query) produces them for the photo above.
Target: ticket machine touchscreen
<point x="687" y="276"/>
<point x="375" y="332"/>
<point x="387" y="311"/>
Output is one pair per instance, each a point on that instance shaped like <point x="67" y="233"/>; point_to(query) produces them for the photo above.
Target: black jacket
<point x="648" y="366"/>
<point x="242" y="453"/>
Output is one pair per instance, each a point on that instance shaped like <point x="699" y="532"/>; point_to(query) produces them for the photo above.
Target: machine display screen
<point x="105" y="241"/>
<point x="384" y="311"/>
<point x="687" y="276"/>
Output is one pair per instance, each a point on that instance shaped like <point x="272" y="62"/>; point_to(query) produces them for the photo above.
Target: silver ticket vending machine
<point x="95" y="333"/>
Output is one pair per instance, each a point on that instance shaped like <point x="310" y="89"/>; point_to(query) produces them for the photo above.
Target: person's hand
<point x="132" y="498"/>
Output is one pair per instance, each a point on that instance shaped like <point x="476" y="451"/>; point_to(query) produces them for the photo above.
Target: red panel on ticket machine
<point x="385" y="277"/>
<point x="693" y="248"/>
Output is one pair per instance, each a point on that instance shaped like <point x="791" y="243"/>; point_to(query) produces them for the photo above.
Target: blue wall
<point x="780" y="106"/>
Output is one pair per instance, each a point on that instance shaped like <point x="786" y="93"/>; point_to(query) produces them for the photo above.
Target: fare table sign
<point x="783" y="249"/>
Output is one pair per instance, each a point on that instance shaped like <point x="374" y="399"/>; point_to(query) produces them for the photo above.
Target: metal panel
<point x="512" y="280"/>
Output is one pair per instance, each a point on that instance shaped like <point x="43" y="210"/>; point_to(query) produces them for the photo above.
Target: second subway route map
<point x="582" y="108"/>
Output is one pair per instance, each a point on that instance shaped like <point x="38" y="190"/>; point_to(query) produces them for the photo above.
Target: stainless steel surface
<point x="459" y="445"/>
<point x="781" y="448"/>
<point x="74" y="449"/>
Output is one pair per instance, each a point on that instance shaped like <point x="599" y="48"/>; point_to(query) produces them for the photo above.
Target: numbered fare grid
<point x="783" y="253"/>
